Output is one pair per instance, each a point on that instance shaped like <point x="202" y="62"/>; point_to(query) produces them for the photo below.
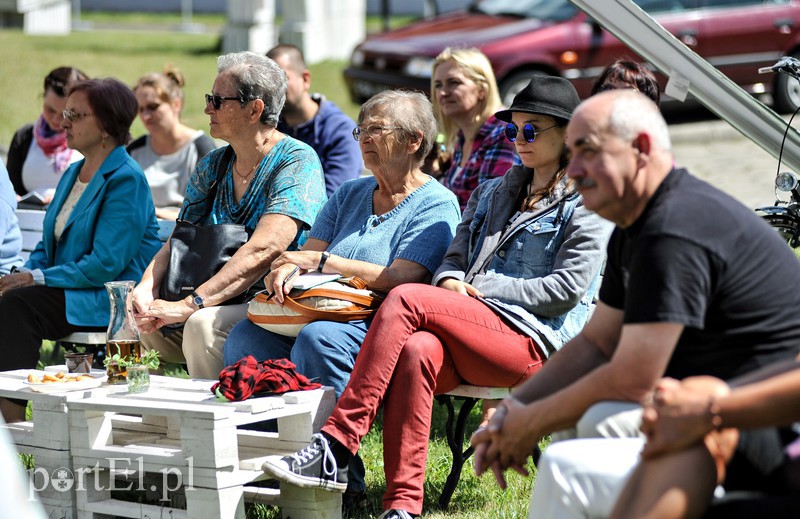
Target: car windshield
<point x="552" y="10"/>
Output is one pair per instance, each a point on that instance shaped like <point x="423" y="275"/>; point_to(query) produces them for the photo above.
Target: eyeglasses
<point x="216" y="100"/>
<point x="72" y="115"/>
<point x="529" y="133"/>
<point x="152" y="107"/>
<point x="373" y="131"/>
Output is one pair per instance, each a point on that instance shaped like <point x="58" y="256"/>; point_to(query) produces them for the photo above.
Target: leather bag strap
<point x="359" y="299"/>
<point x="352" y="313"/>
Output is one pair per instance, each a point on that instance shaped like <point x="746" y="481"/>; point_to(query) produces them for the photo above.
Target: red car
<point x="522" y="38"/>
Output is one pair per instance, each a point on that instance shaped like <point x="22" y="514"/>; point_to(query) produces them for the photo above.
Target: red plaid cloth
<point x="249" y="377"/>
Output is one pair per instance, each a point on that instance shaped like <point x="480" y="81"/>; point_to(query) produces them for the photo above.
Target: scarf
<point x="249" y="377"/>
<point x="53" y="143"/>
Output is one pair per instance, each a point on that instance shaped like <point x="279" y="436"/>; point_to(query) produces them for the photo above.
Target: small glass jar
<point x="138" y="378"/>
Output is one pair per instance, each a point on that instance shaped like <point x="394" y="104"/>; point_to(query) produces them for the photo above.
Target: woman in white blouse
<point x="38" y="154"/>
<point x="170" y="150"/>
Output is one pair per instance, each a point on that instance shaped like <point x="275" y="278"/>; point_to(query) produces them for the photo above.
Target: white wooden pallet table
<point x="47" y="439"/>
<point x="178" y="430"/>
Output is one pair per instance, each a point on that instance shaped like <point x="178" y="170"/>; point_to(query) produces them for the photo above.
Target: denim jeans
<point x="324" y="351"/>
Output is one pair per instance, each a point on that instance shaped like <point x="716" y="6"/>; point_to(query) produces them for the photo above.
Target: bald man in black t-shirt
<point x="695" y="284"/>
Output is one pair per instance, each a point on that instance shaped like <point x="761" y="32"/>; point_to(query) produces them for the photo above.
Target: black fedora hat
<point x="545" y="95"/>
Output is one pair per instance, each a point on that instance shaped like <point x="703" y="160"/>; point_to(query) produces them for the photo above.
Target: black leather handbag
<point x="198" y="252"/>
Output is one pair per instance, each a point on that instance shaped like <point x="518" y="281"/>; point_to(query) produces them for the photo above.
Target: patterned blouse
<point x="288" y="181"/>
<point x="491" y="156"/>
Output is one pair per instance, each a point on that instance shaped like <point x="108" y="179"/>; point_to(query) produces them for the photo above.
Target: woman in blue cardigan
<point x="100" y="227"/>
<point x="515" y="284"/>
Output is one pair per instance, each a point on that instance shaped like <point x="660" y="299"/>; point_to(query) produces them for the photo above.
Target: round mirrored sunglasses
<point x="529" y="133"/>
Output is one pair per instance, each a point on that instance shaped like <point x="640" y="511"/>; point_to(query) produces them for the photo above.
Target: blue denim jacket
<point x="542" y="273"/>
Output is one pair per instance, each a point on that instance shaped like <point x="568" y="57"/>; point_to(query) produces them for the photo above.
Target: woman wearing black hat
<point x="516" y="283"/>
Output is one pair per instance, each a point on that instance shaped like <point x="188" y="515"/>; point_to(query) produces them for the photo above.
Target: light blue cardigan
<point x="111" y="234"/>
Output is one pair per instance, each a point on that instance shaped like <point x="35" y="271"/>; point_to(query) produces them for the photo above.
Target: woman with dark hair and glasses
<point x="39" y="154"/>
<point x="516" y="283"/>
<point x="268" y="182"/>
<point x="170" y="150"/>
<point x="101" y="226"/>
<point x="388" y="229"/>
<point x="627" y="74"/>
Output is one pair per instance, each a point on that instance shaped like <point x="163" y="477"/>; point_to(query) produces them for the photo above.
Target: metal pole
<point x="77" y="23"/>
<point x="76" y="13"/>
<point x="186" y="18"/>
<point x="430" y="9"/>
<point x="186" y="12"/>
<point x="385" y="9"/>
<point x="715" y="91"/>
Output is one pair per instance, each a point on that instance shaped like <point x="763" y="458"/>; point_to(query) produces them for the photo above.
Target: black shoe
<point x="395" y="514"/>
<point x="312" y="467"/>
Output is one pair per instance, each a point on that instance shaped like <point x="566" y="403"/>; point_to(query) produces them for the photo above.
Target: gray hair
<point x="257" y="77"/>
<point x="633" y="113"/>
<point x="410" y="111"/>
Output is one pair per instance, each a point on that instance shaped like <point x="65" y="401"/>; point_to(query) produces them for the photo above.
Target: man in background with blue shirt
<point x="316" y="121"/>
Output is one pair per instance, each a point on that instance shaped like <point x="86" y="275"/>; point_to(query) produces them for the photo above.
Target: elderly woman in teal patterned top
<point x="273" y="185"/>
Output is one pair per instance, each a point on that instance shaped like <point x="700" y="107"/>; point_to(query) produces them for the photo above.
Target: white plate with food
<point x="62" y="382"/>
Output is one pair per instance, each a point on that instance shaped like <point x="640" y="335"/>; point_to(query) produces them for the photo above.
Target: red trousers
<point x="423" y="341"/>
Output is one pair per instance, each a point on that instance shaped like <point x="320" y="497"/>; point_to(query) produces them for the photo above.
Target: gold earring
<point x="103" y="144"/>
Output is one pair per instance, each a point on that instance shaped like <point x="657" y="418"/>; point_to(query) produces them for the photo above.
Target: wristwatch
<point x="197" y="299"/>
<point x="322" y="260"/>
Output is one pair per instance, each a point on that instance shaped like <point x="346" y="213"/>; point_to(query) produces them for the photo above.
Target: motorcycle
<point x="784" y="215"/>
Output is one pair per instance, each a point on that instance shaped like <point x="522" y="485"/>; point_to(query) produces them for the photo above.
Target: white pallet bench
<point x="180" y="429"/>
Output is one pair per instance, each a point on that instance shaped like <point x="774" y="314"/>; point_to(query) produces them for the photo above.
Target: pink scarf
<point x="53" y="143"/>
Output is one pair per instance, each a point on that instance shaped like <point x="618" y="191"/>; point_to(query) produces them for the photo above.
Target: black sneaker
<point x="395" y="514"/>
<point x="312" y="467"/>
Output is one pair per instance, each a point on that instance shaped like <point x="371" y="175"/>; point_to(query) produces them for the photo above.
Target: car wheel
<point x="510" y="86"/>
<point x="786" y="97"/>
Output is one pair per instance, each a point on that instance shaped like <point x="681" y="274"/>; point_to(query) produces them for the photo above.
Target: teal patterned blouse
<point x="288" y="181"/>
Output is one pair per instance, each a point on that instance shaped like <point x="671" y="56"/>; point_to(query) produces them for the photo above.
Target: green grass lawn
<point x="129" y="54"/>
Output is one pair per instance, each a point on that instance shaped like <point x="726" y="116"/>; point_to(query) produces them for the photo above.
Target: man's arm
<point x="590" y="349"/>
<point x="640" y="359"/>
<point x="273" y="234"/>
<point x="684" y="413"/>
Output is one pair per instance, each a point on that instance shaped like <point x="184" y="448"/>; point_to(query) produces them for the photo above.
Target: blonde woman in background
<point x="170" y="150"/>
<point x="465" y="98"/>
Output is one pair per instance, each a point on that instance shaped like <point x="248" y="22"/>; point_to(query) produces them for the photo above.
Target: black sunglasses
<point x="216" y="100"/>
<point x="529" y="133"/>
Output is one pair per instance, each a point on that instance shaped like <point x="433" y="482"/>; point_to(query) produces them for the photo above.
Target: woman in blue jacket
<point x="100" y="227"/>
